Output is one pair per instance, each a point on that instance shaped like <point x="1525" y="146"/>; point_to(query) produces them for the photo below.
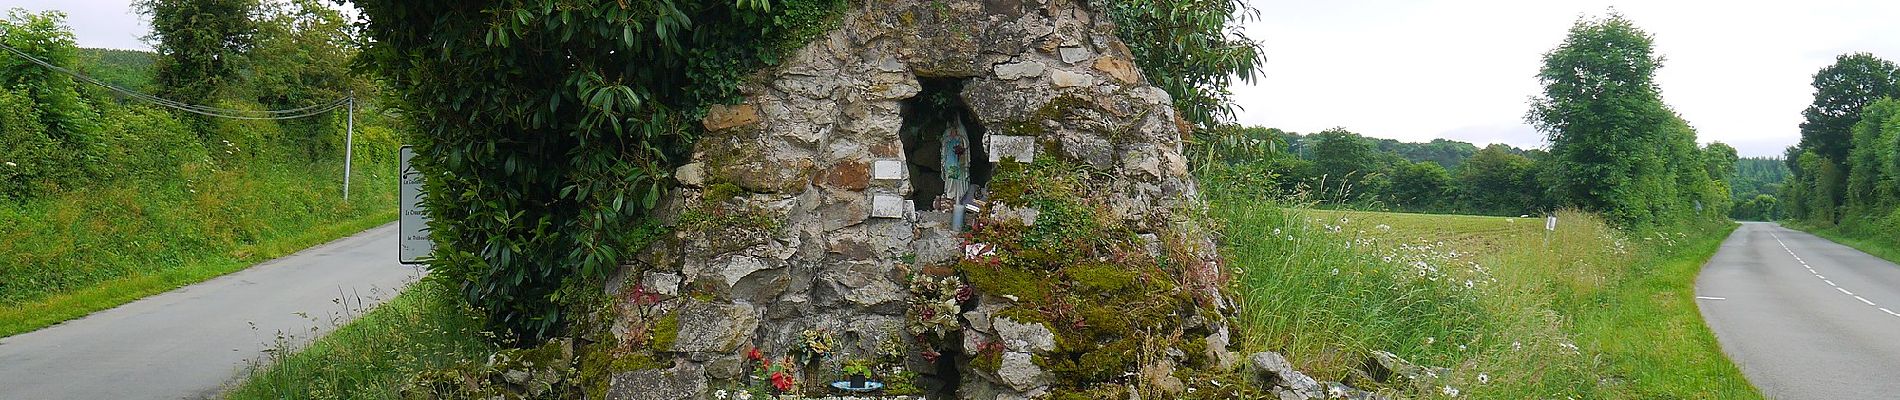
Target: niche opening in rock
<point x="943" y="146"/>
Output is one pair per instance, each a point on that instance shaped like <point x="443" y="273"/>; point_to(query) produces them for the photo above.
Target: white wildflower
<point x="1482" y="378"/>
<point x="743" y="395"/>
<point x="1468" y="284"/>
<point x="1276" y="231"/>
<point x="1515" y="346"/>
<point x="1335" y="271"/>
<point x="1450" y="391"/>
<point x="1384" y="227"/>
<point x="1429" y="340"/>
<point x="721" y="394"/>
<point x="1388" y="258"/>
<point x="1343" y="221"/>
<point x="11" y="164"/>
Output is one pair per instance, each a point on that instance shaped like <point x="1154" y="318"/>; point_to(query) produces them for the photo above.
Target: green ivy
<point x="549" y="127"/>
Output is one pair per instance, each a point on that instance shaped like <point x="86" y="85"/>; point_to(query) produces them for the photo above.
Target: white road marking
<point x="1711" y="298"/>
<point x="1817" y="274"/>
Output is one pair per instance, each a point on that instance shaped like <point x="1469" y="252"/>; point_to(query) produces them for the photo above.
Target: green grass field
<point x="1584" y="312"/>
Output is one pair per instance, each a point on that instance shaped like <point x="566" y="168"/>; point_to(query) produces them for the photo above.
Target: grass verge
<point x="426" y="327"/>
<point x="76" y="253"/>
<point x="1875" y="241"/>
<point x="1514" y="312"/>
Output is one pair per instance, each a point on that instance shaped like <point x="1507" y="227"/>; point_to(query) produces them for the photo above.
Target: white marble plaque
<point x="887" y="206"/>
<point x="887" y="170"/>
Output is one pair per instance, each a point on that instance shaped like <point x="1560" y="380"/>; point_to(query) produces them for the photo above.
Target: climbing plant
<point x="548" y="126"/>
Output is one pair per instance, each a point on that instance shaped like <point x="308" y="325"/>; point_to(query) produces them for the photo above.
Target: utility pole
<point x="349" y="143"/>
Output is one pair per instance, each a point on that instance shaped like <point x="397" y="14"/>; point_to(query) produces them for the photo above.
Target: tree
<point x="1420" y="185"/>
<point x="1193" y="49"/>
<point x="1345" y="161"/>
<point x="48" y="134"/>
<point x="200" y="43"/>
<point x="1611" y="136"/>
<point x="1868" y="187"/>
<point x="1495" y="181"/>
<point x="1842" y="91"/>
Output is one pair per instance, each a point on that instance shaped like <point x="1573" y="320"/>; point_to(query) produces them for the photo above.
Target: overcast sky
<point x="1414" y="70"/>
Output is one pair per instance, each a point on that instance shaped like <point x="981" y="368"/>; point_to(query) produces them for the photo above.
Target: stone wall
<point x="792" y="215"/>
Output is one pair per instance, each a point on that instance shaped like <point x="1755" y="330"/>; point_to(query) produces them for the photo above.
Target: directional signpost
<point x="414" y="223"/>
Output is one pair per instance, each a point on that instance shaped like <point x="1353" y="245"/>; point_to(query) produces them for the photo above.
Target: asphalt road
<point x="191" y="342"/>
<point x="1804" y="317"/>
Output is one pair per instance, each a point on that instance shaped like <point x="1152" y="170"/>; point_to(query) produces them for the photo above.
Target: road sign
<point x="414" y="223"/>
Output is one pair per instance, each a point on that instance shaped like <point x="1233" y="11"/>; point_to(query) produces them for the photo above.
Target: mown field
<point x="1514" y="312"/>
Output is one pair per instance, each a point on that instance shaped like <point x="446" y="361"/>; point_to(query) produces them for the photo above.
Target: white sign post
<point x="1550" y="223"/>
<point x="414" y="221"/>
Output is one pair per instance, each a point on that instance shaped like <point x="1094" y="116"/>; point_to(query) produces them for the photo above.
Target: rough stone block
<point x="1018" y="148"/>
<point x="1074" y="55"/>
<point x="678" y="383"/>
<point x="716" y="328"/>
<point x="887" y="206"/>
<point x="1070" y="79"/>
<point x="1019" y="70"/>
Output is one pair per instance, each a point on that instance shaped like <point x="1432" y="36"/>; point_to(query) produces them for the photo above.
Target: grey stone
<point x="691" y="174"/>
<point x="709" y="327"/>
<point x="1063" y="78"/>
<point x="682" y="382"/>
<point x="1017" y="148"/>
<point x="1018" y="370"/>
<point x="662" y="283"/>
<point x="1025" y="215"/>
<point x="1074" y="55"/>
<point x="866" y="289"/>
<point x="738" y="267"/>
<point x="1023" y="337"/>
<point x="1019" y="70"/>
<point x="1385" y="367"/>
<point x="1270" y="370"/>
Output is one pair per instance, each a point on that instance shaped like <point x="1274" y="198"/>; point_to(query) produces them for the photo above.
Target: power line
<point x="231" y="113"/>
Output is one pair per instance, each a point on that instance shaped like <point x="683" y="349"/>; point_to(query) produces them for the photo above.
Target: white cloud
<point x="1416" y="70"/>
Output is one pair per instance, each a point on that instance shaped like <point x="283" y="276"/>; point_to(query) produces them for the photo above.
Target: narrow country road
<point x="1804" y="317"/>
<point x="189" y="342"/>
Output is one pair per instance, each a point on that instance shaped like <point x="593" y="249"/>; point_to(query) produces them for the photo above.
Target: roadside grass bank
<point x="426" y="327"/>
<point x="1595" y="313"/>
<point x="1879" y="237"/>
<point x="73" y="253"/>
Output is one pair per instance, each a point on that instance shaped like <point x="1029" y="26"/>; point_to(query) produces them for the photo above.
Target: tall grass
<point x="1584" y="312"/>
<point x="426" y="327"/>
<point x="71" y="253"/>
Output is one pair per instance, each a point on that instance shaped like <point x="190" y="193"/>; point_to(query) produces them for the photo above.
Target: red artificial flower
<point x="781" y="381"/>
<point x="931" y="355"/>
<point x="755" y="355"/>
